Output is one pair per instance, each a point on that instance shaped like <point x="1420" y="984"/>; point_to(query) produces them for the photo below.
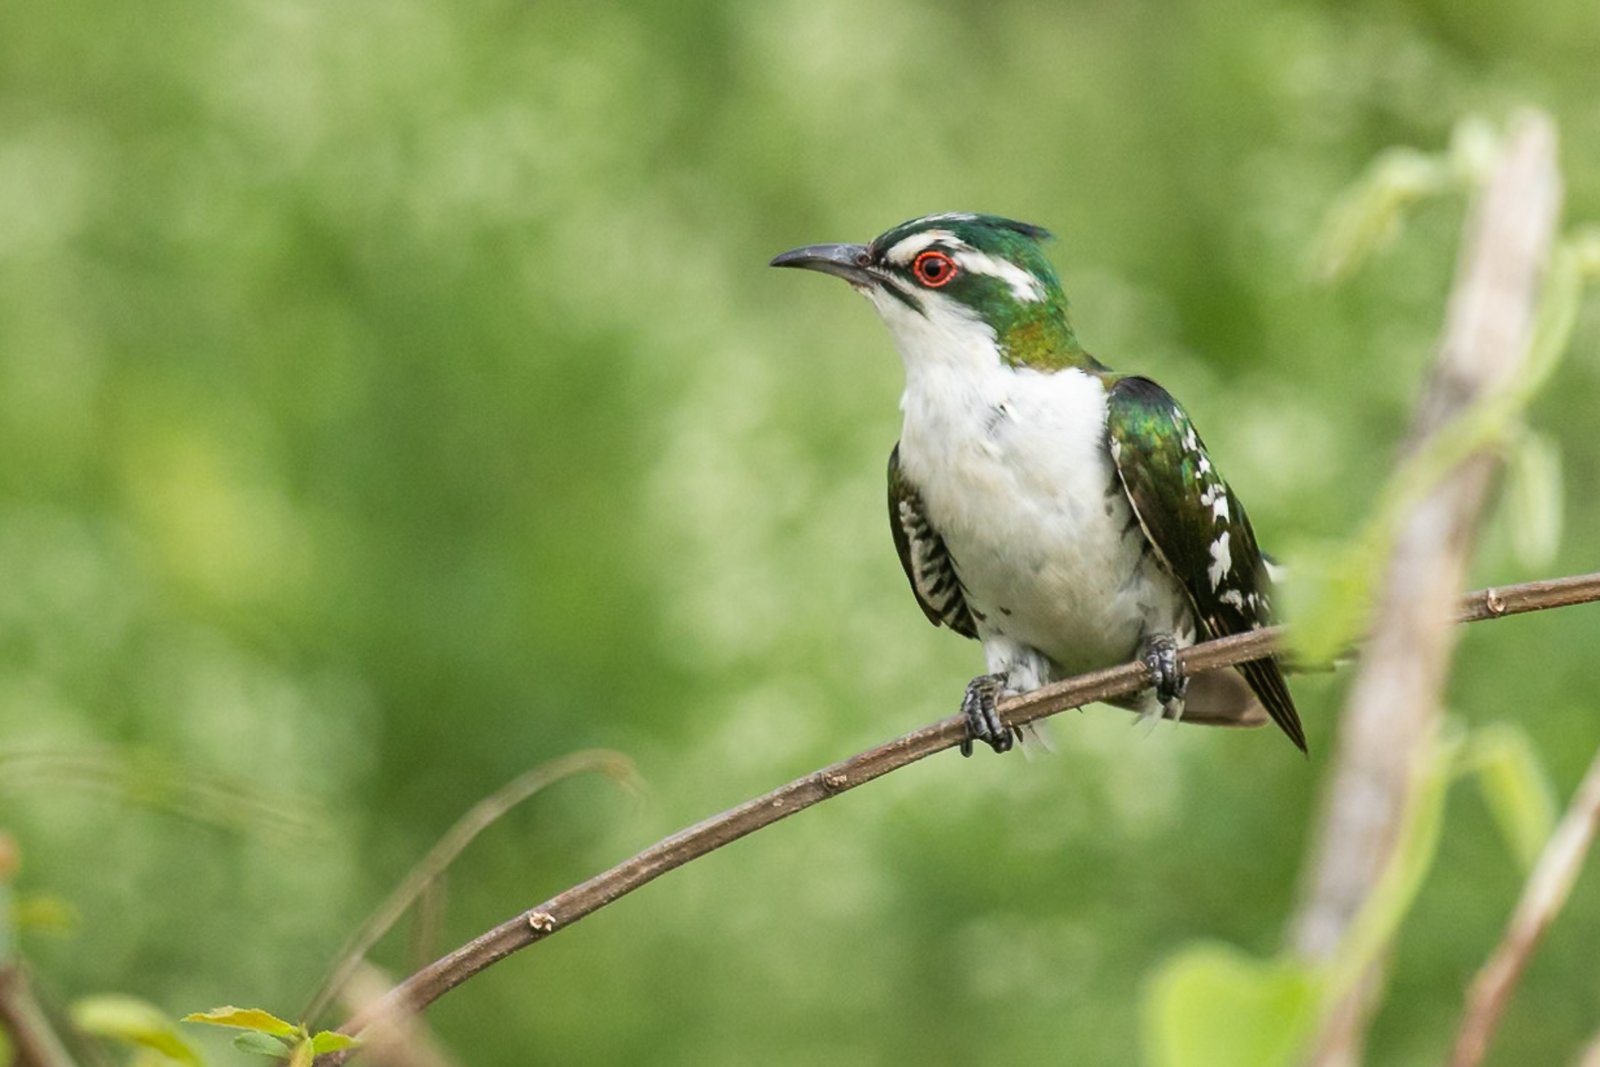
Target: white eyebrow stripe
<point x="906" y="249"/>
<point x="1024" y="286"/>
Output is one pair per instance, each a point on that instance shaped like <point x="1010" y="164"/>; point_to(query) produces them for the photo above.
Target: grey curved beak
<point x="849" y="262"/>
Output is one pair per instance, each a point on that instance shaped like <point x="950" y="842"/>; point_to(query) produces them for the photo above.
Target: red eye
<point x="934" y="269"/>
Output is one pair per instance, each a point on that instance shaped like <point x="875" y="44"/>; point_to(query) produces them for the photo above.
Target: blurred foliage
<point x="1332" y="583"/>
<point x="394" y="398"/>
<point x="136" y="1023"/>
<point x="1515" y="787"/>
<point x="1211" y="1004"/>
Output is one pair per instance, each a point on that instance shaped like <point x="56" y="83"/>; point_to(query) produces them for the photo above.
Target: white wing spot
<point x="1219" y="506"/>
<point x="1233" y="597"/>
<point x="1221" y="559"/>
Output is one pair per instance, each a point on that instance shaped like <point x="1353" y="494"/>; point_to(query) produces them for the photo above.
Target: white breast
<point x="1014" y="474"/>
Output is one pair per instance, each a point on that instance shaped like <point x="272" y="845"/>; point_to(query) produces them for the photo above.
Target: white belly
<point x="1014" y="474"/>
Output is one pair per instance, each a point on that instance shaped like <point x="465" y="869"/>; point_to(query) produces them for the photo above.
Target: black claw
<point x="983" y="722"/>
<point x="1171" y="680"/>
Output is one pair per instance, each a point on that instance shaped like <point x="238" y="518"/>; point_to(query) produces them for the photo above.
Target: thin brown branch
<point x="1542" y="898"/>
<point x="567" y="907"/>
<point x="1393" y="707"/>
<point x="482" y="815"/>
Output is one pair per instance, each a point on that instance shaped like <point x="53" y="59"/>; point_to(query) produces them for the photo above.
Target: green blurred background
<point x="393" y="396"/>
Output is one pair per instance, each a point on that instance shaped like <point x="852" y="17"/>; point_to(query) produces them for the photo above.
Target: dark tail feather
<point x="1266" y="679"/>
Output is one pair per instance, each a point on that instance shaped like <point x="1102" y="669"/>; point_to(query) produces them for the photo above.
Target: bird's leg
<point x="983" y="721"/>
<point x="1160" y="653"/>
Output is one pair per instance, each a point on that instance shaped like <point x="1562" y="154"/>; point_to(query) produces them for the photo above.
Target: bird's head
<point x="951" y="285"/>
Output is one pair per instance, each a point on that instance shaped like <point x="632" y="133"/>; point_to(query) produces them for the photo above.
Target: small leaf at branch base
<point x="257" y="1043"/>
<point x="332" y="1041"/>
<point x="135" y="1022"/>
<point x="1212" y="1004"/>
<point x="246" y="1019"/>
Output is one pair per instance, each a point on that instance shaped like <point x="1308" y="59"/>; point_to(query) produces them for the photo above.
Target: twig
<point x="34" y="1040"/>
<point x="187" y="792"/>
<point x="481" y="815"/>
<point x="422" y="940"/>
<point x="1542" y="898"/>
<point x="1393" y="709"/>
<point x="566" y="908"/>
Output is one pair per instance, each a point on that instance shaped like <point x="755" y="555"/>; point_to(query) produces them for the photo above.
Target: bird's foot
<point x="983" y="721"/>
<point x="1160" y="654"/>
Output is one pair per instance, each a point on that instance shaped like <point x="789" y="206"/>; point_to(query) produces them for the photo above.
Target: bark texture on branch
<point x="1393" y="706"/>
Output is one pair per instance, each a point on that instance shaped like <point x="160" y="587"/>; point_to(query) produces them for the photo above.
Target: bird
<point x="1065" y="515"/>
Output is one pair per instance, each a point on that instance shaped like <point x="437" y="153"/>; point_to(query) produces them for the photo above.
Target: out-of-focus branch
<point x="1590" y="1056"/>
<point x="392" y="1040"/>
<point x="567" y="907"/>
<point x="1393" y="707"/>
<point x="34" y="1041"/>
<point x="1542" y="898"/>
<point x="22" y="1018"/>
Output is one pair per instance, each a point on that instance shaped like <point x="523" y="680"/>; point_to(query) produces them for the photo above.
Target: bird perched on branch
<point x="1063" y="514"/>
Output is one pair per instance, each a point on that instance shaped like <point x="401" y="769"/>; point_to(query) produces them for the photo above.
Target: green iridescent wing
<point x="923" y="554"/>
<point x="1197" y="526"/>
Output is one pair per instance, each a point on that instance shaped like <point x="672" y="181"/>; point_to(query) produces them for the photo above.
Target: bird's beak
<point x="849" y="262"/>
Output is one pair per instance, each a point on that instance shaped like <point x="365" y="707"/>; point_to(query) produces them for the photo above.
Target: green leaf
<point x="259" y="1044"/>
<point x="42" y="913"/>
<point x="1367" y="217"/>
<point x="1213" y="1006"/>
<point x="1328" y="596"/>
<point x="1475" y="146"/>
<point x="246" y="1019"/>
<point x="1514" y="785"/>
<point x="1532" y="499"/>
<point x="332" y="1041"/>
<point x="135" y="1022"/>
<point x="1585" y="245"/>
